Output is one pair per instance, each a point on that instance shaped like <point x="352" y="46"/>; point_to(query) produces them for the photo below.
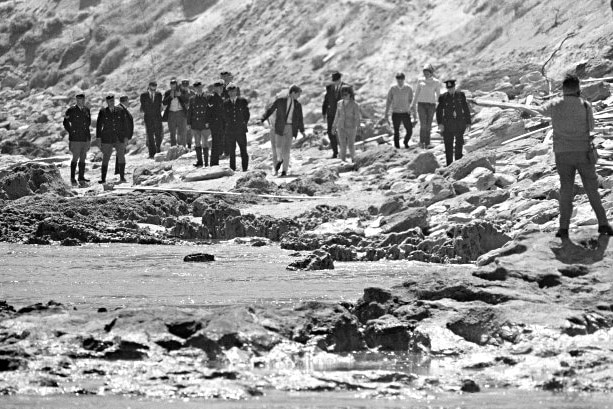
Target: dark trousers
<point x="332" y="136"/>
<point x="240" y="139"/>
<point x="217" y="143"/>
<point x="155" y="134"/>
<point x="568" y="163"/>
<point x="426" y="112"/>
<point x="403" y="118"/>
<point x="453" y="133"/>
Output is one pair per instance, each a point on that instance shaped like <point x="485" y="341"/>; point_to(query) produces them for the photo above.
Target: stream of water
<point x="94" y="276"/>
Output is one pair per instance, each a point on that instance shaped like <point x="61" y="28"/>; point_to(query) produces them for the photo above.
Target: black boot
<point x="122" y="173"/>
<point x="116" y="165"/>
<point x="205" y="153"/>
<point x="73" y="171"/>
<point x="198" y="163"/>
<point x="103" y="170"/>
<point x="82" y="173"/>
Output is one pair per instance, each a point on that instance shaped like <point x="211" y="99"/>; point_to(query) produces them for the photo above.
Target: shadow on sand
<point x="585" y="251"/>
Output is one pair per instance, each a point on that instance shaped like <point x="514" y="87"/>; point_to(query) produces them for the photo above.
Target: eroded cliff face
<point x="270" y="44"/>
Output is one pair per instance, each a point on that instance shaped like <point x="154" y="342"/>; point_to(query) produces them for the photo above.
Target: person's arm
<point x="590" y="116"/>
<point x="358" y="116"/>
<point x="439" y="114"/>
<point x="167" y="98"/>
<point x="99" y="123"/>
<point x="246" y="113"/>
<point x="466" y="110"/>
<point x="417" y="92"/>
<point x="412" y="109"/>
<point x="325" y="105"/>
<point x="300" y="119"/>
<point x="437" y="90"/>
<point x="66" y="122"/>
<point x="142" y="102"/>
<point x="388" y="102"/>
<point x="272" y="108"/>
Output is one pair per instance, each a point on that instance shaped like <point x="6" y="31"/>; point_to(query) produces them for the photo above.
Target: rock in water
<point x="199" y="258"/>
<point x="318" y="260"/>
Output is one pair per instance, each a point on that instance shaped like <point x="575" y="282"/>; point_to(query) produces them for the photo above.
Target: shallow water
<point x="112" y="275"/>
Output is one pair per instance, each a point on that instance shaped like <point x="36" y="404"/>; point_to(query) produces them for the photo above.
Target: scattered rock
<point x="405" y="220"/>
<point x="199" y="258"/>
<point x="318" y="260"/>
<point x="459" y="169"/>
<point x="470" y="386"/>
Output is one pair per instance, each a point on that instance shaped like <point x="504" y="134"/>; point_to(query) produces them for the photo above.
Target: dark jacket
<point x="76" y="122"/>
<point x="214" y="112"/>
<point x="152" y="109"/>
<point x="453" y="109"/>
<point x="197" y="116"/>
<point x="183" y="100"/>
<point x="236" y="115"/>
<point x="111" y="125"/>
<point x="128" y="123"/>
<point x="280" y="105"/>
<point x="333" y="95"/>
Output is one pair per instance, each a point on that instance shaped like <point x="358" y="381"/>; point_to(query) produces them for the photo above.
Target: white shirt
<point x="290" y="113"/>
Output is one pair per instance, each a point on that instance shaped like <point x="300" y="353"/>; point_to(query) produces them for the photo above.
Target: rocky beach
<point x="486" y="300"/>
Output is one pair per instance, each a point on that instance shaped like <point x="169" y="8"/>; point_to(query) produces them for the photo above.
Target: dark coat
<point x="183" y="100"/>
<point x="333" y="95"/>
<point x="280" y="105"/>
<point x="129" y="123"/>
<point x="236" y="116"/>
<point x="448" y="105"/>
<point x="214" y="112"/>
<point x="111" y="125"/>
<point x="197" y="116"/>
<point x="152" y="109"/>
<point x="76" y="122"/>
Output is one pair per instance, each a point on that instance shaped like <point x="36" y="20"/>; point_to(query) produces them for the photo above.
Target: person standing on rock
<point x="111" y="130"/>
<point x="128" y="132"/>
<point x="197" y="121"/>
<point x="288" y="122"/>
<point x="328" y="108"/>
<point x="151" y="107"/>
<point x="185" y="88"/>
<point x="453" y="118"/>
<point x="427" y="93"/>
<point x="214" y="114"/>
<point x="572" y="119"/>
<point x="400" y="100"/>
<point x="236" y="117"/>
<point x="347" y="123"/>
<point x="175" y="112"/>
<point x="77" y="121"/>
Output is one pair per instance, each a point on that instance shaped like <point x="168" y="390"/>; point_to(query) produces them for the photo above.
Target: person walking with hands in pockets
<point x="399" y="100"/>
<point x="347" y="123"/>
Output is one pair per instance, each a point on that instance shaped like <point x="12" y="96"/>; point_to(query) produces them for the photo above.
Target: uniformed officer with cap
<point x="453" y="118"/>
<point x="197" y="120"/>
<point x="227" y="77"/>
<point x="215" y="120"/>
<point x="111" y="129"/>
<point x="77" y="121"/>
<point x="236" y="117"/>
<point x="151" y="107"/>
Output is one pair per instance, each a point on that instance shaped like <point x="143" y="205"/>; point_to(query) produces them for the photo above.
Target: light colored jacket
<point x="347" y="116"/>
<point x="427" y="90"/>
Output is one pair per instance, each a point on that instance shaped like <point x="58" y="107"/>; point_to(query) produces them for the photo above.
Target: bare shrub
<point x="490" y="38"/>
<point x="112" y="60"/>
<point x="297" y="54"/>
<point x="306" y="35"/>
<point x="20" y="24"/>
<point x="331" y="42"/>
<point x="53" y="26"/>
<point x="317" y="62"/>
<point x="99" y="52"/>
<point x="160" y="34"/>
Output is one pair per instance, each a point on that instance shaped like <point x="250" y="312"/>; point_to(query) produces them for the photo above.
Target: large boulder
<point x="503" y="126"/>
<point x="405" y="220"/>
<point x="318" y="260"/>
<point x="152" y="174"/>
<point x="463" y="167"/>
<point x="487" y="198"/>
<point x="480" y="178"/>
<point x="256" y="182"/>
<point x="424" y="163"/>
<point x="31" y="178"/>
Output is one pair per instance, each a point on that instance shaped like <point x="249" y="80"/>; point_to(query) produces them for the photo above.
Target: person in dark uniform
<point x="76" y="122"/>
<point x="236" y="117"/>
<point x="127" y="135"/>
<point x="111" y="129"/>
<point x="186" y="89"/>
<point x="151" y="106"/>
<point x="333" y="95"/>
<point x="197" y="121"/>
<point x="215" y="120"/>
<point x="453" y="118"/>
<point x="175" y="112"/>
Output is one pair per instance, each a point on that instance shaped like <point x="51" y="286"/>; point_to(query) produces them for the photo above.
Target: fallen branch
<point x="606" y="79"/>
<point x="568" y="36"/>
<point x="506" y="105"/>
<point x="215" y="192"/>
<point x="526" y="135"/>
